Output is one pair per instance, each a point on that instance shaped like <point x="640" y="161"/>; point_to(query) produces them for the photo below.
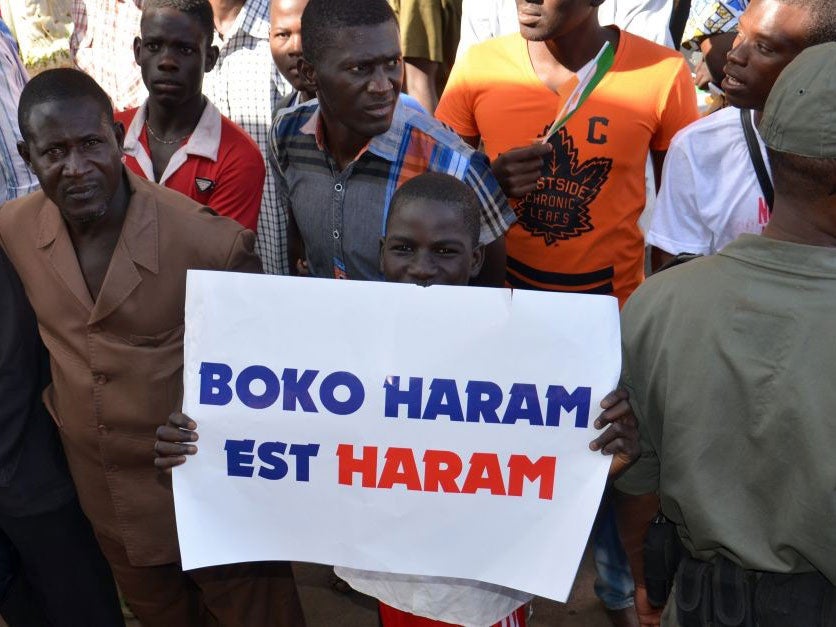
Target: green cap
<point x="800" y="113"/>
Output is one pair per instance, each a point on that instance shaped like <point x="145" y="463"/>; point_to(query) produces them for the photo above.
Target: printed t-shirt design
<point x="579" y="230"/>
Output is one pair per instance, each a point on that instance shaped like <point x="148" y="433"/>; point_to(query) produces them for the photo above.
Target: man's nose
<point x="422" y="269"/>
<point x="167" y="60"/>
<point x="296" y="45"/>
<point x="738" y="52"/>
<point x="379" y="82"/>
<point x="75" y="164"/>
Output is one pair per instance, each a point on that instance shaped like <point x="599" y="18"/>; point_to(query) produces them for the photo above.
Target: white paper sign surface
<point x="433" y="431"/>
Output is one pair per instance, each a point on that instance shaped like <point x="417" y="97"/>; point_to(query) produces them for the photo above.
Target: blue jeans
<point x="614" y="581"/>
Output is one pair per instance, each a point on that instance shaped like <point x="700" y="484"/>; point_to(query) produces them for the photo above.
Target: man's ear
<point x="23" y="151"/>
<point x="307" y="73"/>
<point x="137" y="48"/>
<point x="477" y="260"/>
<point x="380" y="254"/>
<point x="119" y="132"/>
<point x="212" y="54"/>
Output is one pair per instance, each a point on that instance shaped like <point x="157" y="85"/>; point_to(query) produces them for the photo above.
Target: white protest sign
<point x="433" y="431"/>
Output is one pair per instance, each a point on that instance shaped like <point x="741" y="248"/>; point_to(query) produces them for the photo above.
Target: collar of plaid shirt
<point x="386" y="145"/>
<point x="254" y="20"/>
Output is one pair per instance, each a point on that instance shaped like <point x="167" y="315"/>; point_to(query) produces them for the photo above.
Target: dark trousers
<point x="258" y="594"/>
<point x="64" y="580"/>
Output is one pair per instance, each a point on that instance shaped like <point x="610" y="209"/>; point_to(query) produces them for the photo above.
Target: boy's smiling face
<point x="428" y="243"/>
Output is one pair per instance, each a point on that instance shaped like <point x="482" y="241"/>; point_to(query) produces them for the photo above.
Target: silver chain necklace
<point x="168" y="142"/>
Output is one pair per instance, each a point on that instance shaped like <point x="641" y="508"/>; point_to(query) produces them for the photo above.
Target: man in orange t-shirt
<point x="578" y="197"/>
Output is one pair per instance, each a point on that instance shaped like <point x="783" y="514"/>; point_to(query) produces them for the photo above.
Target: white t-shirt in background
<point x="710" y="193"/>
<point x="486" y="19"/>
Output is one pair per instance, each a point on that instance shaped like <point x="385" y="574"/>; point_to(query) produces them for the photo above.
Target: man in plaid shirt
<point x="339" y="160"/>
<point x="245" y="86"/>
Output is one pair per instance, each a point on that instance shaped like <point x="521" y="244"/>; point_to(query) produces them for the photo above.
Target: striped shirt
<point x="15" y="178"/>
<point x="341" y="215"/>
<point x="245" y="86"/>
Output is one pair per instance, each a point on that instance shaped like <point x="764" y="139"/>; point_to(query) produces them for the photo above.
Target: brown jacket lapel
<point x="53" y="236"/>
<point x="138" y="245"/>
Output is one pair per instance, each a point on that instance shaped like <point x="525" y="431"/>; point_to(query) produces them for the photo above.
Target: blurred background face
<point x="286" y="38"/>
<point x="427" y="243"/>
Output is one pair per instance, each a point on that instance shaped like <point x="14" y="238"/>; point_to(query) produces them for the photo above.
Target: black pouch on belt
<point x="801" y="600"/>
<point x="733" y="591"/>
<point x="662" y="554"/>
<point x="693" y="593"/>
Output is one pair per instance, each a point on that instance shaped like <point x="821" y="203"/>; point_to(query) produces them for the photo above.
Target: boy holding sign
<point x="432" y="238"/>
<point x="432" y="232"/>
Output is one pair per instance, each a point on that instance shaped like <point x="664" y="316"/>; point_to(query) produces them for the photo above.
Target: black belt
<point x="722" y="594"/>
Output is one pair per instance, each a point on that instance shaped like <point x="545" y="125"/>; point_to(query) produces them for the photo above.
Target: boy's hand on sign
<point x="518" y="170"/>
<point x="621" y="439"/>
<point x="174" y="441"/>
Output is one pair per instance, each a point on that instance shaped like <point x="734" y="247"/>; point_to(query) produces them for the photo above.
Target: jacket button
<point x="101" y="379"/>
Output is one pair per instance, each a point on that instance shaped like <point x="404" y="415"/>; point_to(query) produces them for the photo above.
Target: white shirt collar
<point x="205" y="141"/>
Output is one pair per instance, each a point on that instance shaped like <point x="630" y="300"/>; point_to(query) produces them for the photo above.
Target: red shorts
<point x="391" y="617"/>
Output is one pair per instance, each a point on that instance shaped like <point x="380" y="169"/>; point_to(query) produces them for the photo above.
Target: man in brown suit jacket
<point x="103" y="256"/>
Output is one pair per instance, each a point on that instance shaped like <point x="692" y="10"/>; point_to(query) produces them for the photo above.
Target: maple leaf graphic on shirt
<point x="559" y="208"/>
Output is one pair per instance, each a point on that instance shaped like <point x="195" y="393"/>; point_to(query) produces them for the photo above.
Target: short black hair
<point x="322" y="17"/>
<point x="822" y="19"/>
<point x="798" y="176"/>
<point x="444" y="188"/>
<point x="200" y="10"/>
<point x="59" y="85"/>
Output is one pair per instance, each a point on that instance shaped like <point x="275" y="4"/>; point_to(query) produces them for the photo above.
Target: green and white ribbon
<point x="588" y="78"/>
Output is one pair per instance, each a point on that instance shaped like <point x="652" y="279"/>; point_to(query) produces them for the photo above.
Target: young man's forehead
<point x="428" y="210"/>
<point x="365" y="44"/>
<point x="164" y="22"/>
<point x="771" y="16"/>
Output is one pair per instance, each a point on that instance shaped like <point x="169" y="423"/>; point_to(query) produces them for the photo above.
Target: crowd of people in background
<point x="557" y="145"/>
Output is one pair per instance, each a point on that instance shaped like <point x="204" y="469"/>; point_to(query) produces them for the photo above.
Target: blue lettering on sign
<point x="218" y="386"/>
<point x="558" y="398"/>
<point x="271" y="387"/>
<point x="356" y="393"/>
<point x="523" y="405"/>
<point x="443" y="400"/>
<point x="395" y="397"/>
<point x="483" y="400"/>
<point x="214" y="384"/>
<point x="342" y="393"/>
<point x="240" y="459"/>
<point x="298" y="388"/>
